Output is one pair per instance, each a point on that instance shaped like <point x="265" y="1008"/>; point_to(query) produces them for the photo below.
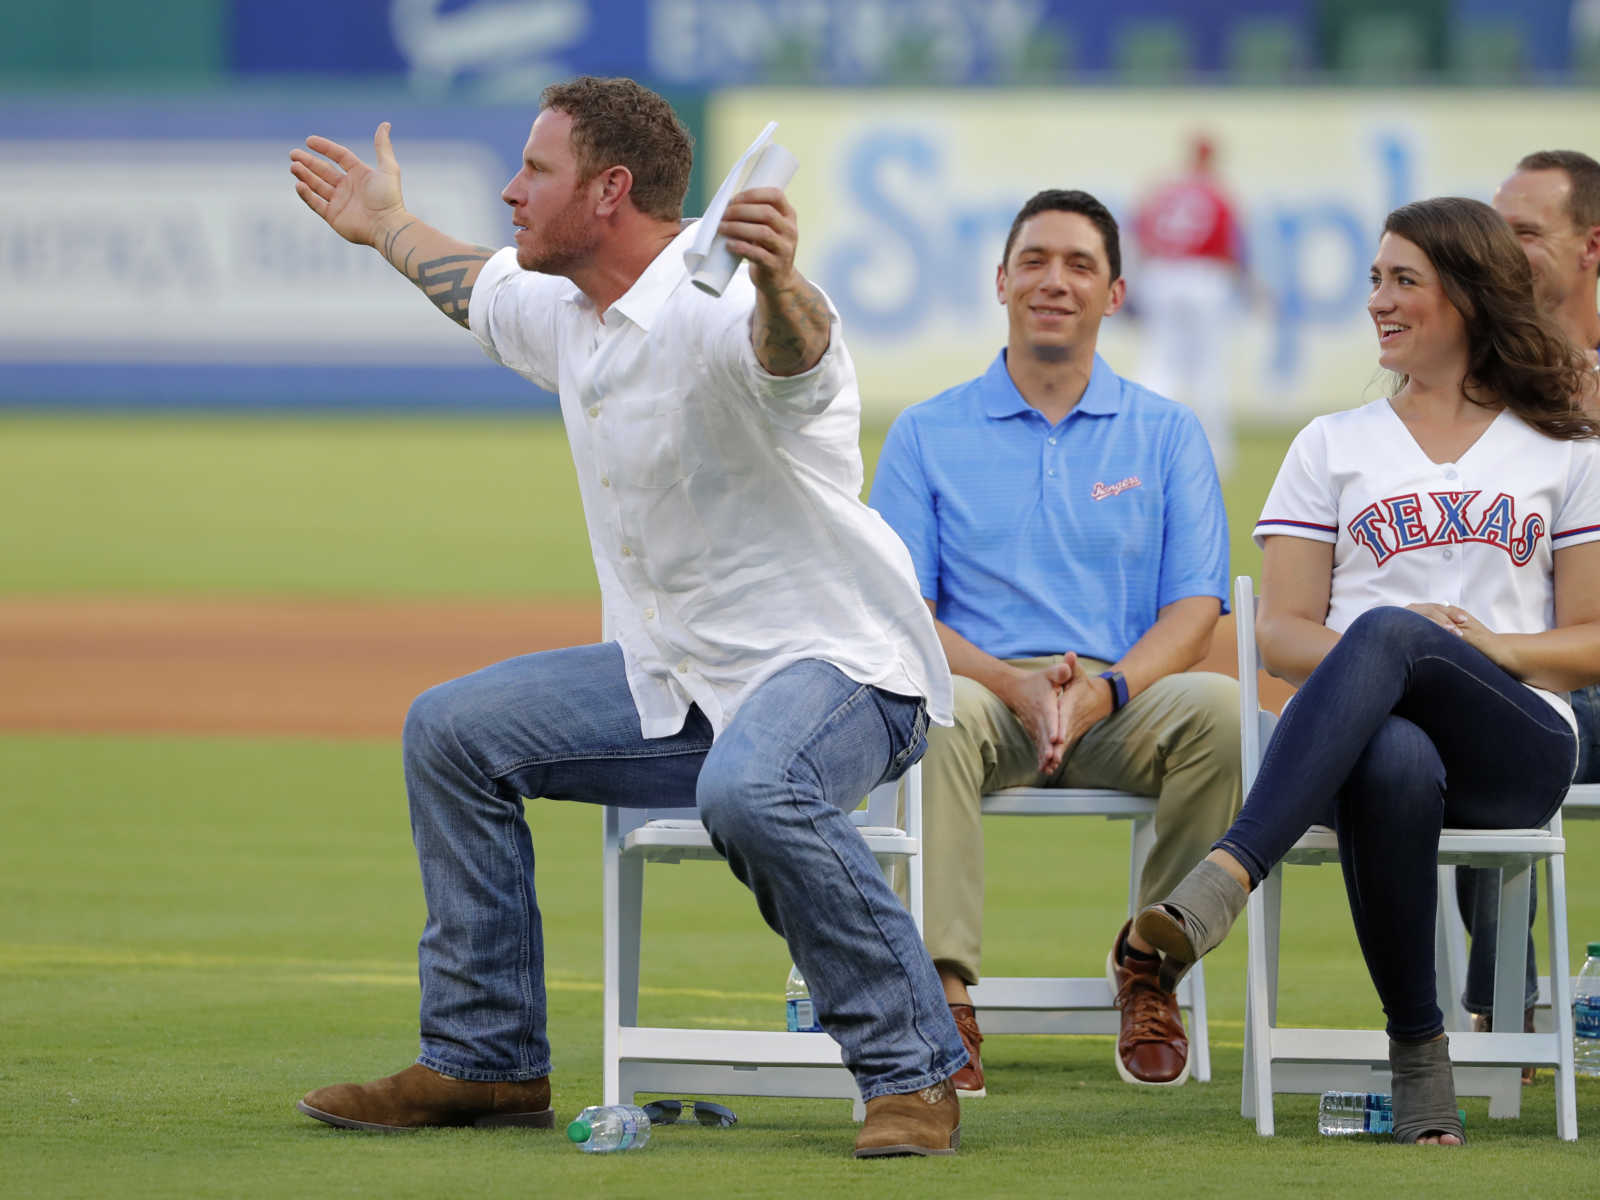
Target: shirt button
<point x="1449" y="554"/>
<point x="1052" y="474"/>
<point x="604" y="482"/>
<point x="594" y="410"/>
<point x="1052" y="441"/>
<point x="627" y="552"/>
<point x="1450" y="474"/>
<point x="683" y="668"/>
<point x="649" y="614"/>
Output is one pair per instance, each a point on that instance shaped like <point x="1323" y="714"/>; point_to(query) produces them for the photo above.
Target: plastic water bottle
<point x="1586" y="1016"/>
<point x="1340" y="1113"/>
<point x="602" y="1129"/>
<point x="802" y="1013"/>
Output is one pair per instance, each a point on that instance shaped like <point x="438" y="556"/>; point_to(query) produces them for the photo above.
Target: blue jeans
<point x="774" y="791"/>
<point x="1478" y="888"/>
<point x="1402" y="729"/>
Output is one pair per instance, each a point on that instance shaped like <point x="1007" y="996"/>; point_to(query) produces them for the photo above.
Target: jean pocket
<point x="916" y="740"/>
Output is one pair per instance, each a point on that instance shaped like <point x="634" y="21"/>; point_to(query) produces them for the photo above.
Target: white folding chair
<point x="731" y="1062"/>
<point x="1280" y="1059"/>
<point x="1025" y="1004"/>
<point x="1582" y="803"/>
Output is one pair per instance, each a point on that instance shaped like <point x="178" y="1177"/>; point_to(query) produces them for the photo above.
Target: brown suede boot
<point x="419" y="1097"/>
<point x="925" y="1122"/>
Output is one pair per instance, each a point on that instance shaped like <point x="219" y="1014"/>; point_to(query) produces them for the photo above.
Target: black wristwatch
<point x="1119" y="689"/>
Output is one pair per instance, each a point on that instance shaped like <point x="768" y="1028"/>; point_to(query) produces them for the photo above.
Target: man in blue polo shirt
<point x="1068" y="532"/>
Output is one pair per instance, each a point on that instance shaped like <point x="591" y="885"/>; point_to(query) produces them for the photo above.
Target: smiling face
<point x="551" y="206"/>
<point x="1420" y="333"/>
<point x="1056" y="285"/>
<point x="1537" y="206"/>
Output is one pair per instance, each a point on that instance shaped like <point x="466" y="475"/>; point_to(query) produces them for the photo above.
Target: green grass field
<point x="200" y="930"/>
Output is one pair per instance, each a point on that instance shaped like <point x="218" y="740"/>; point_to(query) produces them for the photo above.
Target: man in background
<point x="1190" y="270"/>
<point x="1552" y="203"/>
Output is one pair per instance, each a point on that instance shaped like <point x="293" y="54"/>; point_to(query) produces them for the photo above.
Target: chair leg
<point x="1141" y="840"/>
<point x="1450" y="955"/>
<point x="1510" y="976"/>
<point x="1555" y="879"/>
<point x="1264" y="911"/>
<point x="623" y="903"/>
<point x="1199" y="1026"/>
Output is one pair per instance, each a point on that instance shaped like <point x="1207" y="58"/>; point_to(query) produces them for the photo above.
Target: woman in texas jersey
<point x="1431" y="579"/>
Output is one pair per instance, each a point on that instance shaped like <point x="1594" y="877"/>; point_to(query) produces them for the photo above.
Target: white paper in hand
<point x="765" y="164"/>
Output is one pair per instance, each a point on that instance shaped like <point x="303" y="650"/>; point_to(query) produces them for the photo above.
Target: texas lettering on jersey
<point x="1398" y="524"/>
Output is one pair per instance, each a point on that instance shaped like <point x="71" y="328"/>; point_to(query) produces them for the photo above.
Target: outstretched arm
<point x="790" y="327"/>
<point x="364" y="205"/>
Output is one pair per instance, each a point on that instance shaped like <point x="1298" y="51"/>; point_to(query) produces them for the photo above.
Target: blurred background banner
<point x="164" y="256"/>
<point x="155" y="253"/>
<point x="506" y="47"/>
<point x="905" y="199"/>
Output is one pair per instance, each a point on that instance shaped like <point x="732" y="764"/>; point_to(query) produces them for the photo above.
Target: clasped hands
<point x="1057" y="705"/>
<point x="1463" y="624"/>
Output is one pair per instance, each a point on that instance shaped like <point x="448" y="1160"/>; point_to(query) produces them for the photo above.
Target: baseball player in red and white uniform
<point x="1190" y="253"/>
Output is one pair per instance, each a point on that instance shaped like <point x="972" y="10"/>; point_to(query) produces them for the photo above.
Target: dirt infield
<point x="328" y="668"/>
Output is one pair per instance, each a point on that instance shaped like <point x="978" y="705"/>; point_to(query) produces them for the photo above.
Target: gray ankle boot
<point x="1424" y="1090"/>
<point x="1192" y="920"/>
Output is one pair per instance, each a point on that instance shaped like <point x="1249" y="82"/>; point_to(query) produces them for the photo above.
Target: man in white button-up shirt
<point x="771" y="660"/>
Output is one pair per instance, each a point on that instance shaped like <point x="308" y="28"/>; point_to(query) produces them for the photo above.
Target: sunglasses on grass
<point x="667" y="1112"/>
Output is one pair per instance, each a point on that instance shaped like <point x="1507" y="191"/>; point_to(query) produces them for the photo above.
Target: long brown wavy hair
<point x="1515" y="355"/>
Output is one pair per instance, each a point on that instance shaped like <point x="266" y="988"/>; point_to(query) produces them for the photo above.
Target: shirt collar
<point x="660" y="279"/>
<point x="1001" y="399"/>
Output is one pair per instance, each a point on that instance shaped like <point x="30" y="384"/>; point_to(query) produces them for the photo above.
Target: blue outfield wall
<point x="153" y="253"/>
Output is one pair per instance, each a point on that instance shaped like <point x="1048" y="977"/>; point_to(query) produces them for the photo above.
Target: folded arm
<point x="1559" y="659"/>
<point x="1179" y="639"/>
<point x="364" y="205"/>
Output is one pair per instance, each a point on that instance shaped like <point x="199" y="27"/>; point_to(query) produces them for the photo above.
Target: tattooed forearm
<point x="790" y="328"/>
<point x="448" y="281"/>
<point x="447" y="270"/>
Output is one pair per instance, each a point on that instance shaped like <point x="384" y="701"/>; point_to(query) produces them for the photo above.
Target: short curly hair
<point x="617" y="122"/>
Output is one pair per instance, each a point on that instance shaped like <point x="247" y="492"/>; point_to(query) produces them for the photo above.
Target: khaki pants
<point x="1177" y="741"/>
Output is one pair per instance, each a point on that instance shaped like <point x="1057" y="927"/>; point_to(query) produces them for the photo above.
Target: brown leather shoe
<point x="419" y="1097"/>
<point x="925" y="1122"/>
<point x="1152" y="1047"/>
<point x="968" y="1081"/>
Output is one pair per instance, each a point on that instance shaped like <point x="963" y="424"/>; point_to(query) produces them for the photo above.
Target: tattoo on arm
<point x="444" y="281"/>
<point x="389" y="240"/>
<point x="791" y="329"/>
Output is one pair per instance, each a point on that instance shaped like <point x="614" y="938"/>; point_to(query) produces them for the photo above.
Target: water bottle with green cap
<point x="604" y="1128"/>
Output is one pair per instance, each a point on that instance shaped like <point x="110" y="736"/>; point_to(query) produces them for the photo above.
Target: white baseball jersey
<point x="1478" y="533"/>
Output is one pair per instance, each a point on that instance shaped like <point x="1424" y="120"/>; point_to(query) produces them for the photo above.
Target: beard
<point x="564" y="242"/>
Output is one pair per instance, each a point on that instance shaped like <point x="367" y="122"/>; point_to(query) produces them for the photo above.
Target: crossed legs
<point x="1402" y="729"/>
